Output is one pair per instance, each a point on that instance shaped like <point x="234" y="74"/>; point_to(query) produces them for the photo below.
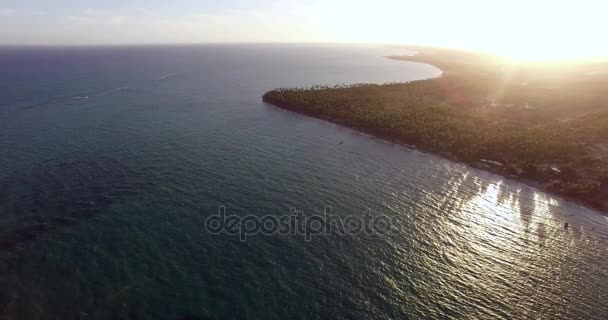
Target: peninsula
<point x="545" y="123"/>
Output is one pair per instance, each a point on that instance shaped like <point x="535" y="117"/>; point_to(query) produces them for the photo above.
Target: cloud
<point x="4" y="12"/>
<point x="146" y="26"/>
<point x="7" y="12"/>
<point x="99" y="17"/>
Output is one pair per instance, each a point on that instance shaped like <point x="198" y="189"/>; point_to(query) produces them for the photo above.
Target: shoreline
<point x="480" y="164"/>
<point x="474" y="165"/>
<point x="602" y="208"/>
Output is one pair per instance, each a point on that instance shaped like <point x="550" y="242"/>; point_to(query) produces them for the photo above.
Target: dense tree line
<point x="461" y="117"/>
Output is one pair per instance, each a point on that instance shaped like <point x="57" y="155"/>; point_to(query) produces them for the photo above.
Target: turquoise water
<point x="112" y="159"/>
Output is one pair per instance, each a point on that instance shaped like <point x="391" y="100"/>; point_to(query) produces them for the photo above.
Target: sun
<point x="521" y="30"/>
<point x="546" y="31"/>
<point x="544" y="54"/>
<point x="531" y="51"/>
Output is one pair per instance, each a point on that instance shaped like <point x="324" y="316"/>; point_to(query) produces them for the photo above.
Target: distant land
<point x="542" y="123"/>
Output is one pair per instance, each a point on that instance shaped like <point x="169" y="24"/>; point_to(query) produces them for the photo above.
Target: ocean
<point x="113" y="158"/>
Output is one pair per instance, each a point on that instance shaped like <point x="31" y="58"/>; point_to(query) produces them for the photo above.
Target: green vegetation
<point x="545" y="123"/>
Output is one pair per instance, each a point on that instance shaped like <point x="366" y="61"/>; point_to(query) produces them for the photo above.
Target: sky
<point x="525" y="27"/>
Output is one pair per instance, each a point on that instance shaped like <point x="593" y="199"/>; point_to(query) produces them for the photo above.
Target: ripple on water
<point x="127" y="177"/>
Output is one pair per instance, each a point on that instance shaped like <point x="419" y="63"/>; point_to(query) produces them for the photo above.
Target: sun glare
<point x="549" y="54"/>
<point x="528" y="49"/>
<point x="538" y="30"/>
<point x="545" y="31"/>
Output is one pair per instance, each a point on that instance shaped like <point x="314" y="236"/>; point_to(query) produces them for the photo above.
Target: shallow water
<point x="112" y="159"/>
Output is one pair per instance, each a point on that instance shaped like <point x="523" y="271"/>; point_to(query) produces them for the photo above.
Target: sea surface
<point x="111" y="159"/>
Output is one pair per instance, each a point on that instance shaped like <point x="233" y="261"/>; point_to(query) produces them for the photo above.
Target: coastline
<point x="601" y="207"/>
<point x="480" y="164"/>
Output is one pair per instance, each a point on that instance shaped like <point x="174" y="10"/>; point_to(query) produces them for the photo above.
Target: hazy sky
<point x="482" y="24"/>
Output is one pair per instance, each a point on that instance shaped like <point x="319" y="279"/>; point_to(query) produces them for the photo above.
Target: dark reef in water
<point x="54" y="197"/>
